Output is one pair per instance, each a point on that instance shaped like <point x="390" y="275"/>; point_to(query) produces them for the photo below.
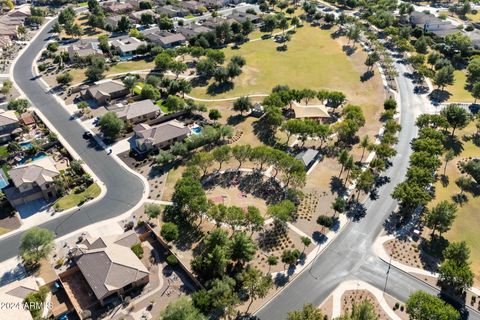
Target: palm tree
<point x="364" y="145"/>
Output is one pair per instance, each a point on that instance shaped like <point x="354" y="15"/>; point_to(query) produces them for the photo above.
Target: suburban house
<point x="105" y="91"/>
<point x="126" y="45"/>
<point x="110" y="267"/>
<point x="137" y="15"/>
<point x="117" y="7"/>
<point x="213" y="4"/>
<point x="173" y="11"/>
<point x="241" y="17"/>
<point x="192" y="6"/>
<point x="192" y="31"/>
<point x="32" y="181"/>
<point x="137" y="112"/>
<point x="113" y="20"/>
<point x="14" y="294"/>
<point x="83" y="49"/>
<point x="9" y="124"/>
<point x="160" y="136"/>
<point x="164" y="38"/>
<point x="318" y="112"/>
<point x="430" y="23"/>
<point x="307" y="157"/>
<point x="212" y="23"/>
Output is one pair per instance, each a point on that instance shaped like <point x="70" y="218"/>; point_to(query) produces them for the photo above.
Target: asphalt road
<point x="124" y="190"/>
<point x="351" y="256"/>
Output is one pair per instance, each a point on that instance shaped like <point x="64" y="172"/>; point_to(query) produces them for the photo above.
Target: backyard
<point x="313" y="60"/>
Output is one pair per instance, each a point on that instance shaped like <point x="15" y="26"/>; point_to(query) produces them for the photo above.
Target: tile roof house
<point x="126" y="45"/>
<point x="137" y="112"/>
<point x="110" y="267"/>
<point x="430" y="23"/>
<point x="148" y="138"/>
<point x="105" y="91"/>
<point x="137" y="15"/>
<point x="13" y="294"/>
<point x="213" y="4"/>
<point x="241" y="17"/>
<point x="113" y="21"/>
<point x="193" y="31"/>
<point x="173" y="11"/>
<point x="83" y="49"/>
<point x="164" y="38"/>
<point x="32" y="181"/>
<point x="217" y="21"/>
<point x="192" y="6"/>
<point x="9" y="124"/>
<point x="117" y="7"/>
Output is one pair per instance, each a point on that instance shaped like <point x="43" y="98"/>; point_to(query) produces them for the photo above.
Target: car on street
<point x="87" y="135"/>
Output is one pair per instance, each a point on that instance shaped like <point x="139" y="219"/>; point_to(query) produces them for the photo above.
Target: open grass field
<point x="88" y="31"/>
<point x="467" y="223"/>
<point x="121" y="67"/>
<point x="313" y="60"/>
<point x="3" y="151"/>
<point x="458" y="91"/>
<point x="75" y="199"/>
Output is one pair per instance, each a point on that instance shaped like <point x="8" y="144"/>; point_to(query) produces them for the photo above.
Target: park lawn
<point x="73" y="200"/>
<point x="457" y="90"/>
<point x="121" y="67"/>
<point x="87" y="31"/>
<point x="313" y="60"/>
<point x="467" y="223"/>
<point x="3" y="151"/>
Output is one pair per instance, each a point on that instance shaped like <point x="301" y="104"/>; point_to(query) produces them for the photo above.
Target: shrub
<point x="326" y="221"/>
<point x="169" y="231"/>
<point x="172" y="260"/>
<point x="138" y="250"/>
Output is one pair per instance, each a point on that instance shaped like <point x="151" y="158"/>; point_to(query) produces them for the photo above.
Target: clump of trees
<point x="36" y="244"/>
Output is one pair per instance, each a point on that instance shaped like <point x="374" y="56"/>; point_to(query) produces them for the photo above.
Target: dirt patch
<point x="397" y="306"/>
<point x="351" y="297"/>
<point x="327" y="307"/>
<point x="408" y="253"/>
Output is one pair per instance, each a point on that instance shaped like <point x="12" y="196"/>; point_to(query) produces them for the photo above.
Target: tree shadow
<point x="367" y="75"/>
<point x="219" y="88"/>
<point x="282" y="48"/>
<point x="349" y="50"/>
<point x="199" y="82"/>
<point x="236" y="119"/>
<point x="355" y="210"/>
<point x="453" y="143"/>
<point x="337" y="186"/>
<point x="337" y="34"/>
<point x="445" y="180"/>
<point x="319" y="237"/>
<point x="439" y="96"/>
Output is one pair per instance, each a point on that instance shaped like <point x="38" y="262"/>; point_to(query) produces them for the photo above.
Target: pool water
<point x="3" y="180"/>
<point x="196" y="130"/>
<point x="39" y="155"/>
<point x="27" y="145"/>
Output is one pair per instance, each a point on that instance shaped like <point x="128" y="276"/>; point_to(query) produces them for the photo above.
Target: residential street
<point x="124" y="190"/>
<point x="350" y="256"/>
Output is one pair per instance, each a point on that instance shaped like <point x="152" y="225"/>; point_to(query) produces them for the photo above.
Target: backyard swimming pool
<point x="3" y="180"/>
<point x="39" y="155"/>
<point x="196" y="129"/>
<point x="26" y="145"/>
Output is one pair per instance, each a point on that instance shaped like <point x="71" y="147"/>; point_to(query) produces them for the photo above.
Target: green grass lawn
<point x="162" y="107"/>
<point x="190" y="16"/>
<point x="83" y="4"/>
<point x="467" y="223"/>
<point x="313" y="60"/>
<point x="138" y="88"/>
<point x="458" y="91"/>
<point x="5" y="169"/>
<point x="3" y="151"/>
<point x="74" y="199"/>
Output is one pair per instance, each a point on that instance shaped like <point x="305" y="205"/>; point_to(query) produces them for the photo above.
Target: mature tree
<point x="421" y="45"/>
<point x="411" y="195"/>
<point x="203" y="160"/>
<point x="424" y="306"/>
<point x="255" y="284"/>
<point x="124" y="24"/>
<point x="290" y="257"/>
<point x="153" y="210"/>
<point x="150" y="92"/>
<point x="241" y="153"/>
<point x="189" y="198"/>
<point x="339" y="205"/>
<point x="362" y="311"/>
<point x="309" y="312"/>
<point x="242" y="104"/>
<point x="19" y="105"/>
<point x="214" y="114"/>
<point x="476" y="91"/>
<point x="390" y="104"/>
<point x="64" y="79"/>
<point x="110" y="125"/>
<point x="222" y="154"/>
<point x="242" y="249"/>
<point x="456" y="116"/>
<point x="254" y="219"/>
<point x="36" y="244"/>
<point x="455" y="273"/>
<point x="169" y="231"/>
<point x="181" y="309"/>
<point x="458" y="42"/>
<point x="473" y="71"/>
<point x="364" y="144"/>
<point x="163" y="61"/>
<point x="444" y="77"/>
<point x="441" y="217"/>
<point x="306" y="241"/>
<point x="472" y="168"/>
<point x="177" y="67"/>
<point x="269" y="23"/>
<point x="372" y="58"/>
<point x="282" y="211"/>
<point x="96" y="69"/>
<point x="365" y="182"/>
